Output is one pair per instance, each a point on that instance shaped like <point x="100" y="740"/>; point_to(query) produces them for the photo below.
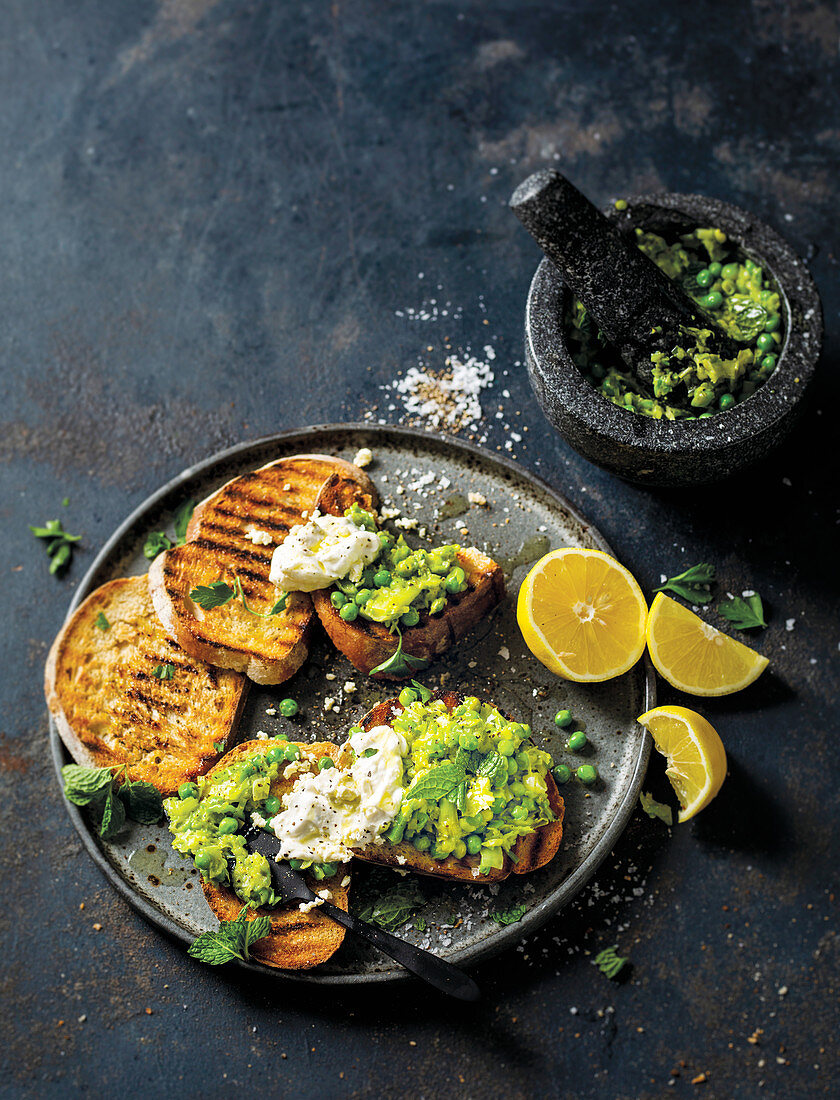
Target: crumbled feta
<point x="364" y="457"/>
<point x="258" y="537"/>
<point x="349" y="686"/>
<point x="477" y="498"/>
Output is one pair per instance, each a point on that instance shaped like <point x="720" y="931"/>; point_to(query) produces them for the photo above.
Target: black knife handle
<point x="438" y="973"/>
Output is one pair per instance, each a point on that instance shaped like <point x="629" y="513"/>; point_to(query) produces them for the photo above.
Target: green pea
<point x="188" y="790"/>
<point x="512" y="766"/>
<point x="468" y="741"/>
<point x="272" y="804"/>
<point x="277" y="754"/>
<point x="386" y="541"/>
<point x="768" y="363"/>
<point x="405" y="567"/>
<point x="422" y="843"/>
<point x="562" y="773"/>
<point x="518" y="790"/>
<point x="507" y="748"/>
<point x="714" y="268"/>
<point x="577" y="741"/>
<point x="410" y="618"/>
<point x="518" y="813"/>
<point x="460" y="849"/>
<point x="563" y="718"/>
<point x="587" y="774"/>
<point x="288" y="708"/>
<point x="296" y="864"/>
<point x="455" y="580"/>
<point x="362" y="597"/>
<point x="325" y="763"/>
<point x="772" y="322"/>
<point x="730" y="271"/>
<point x="292" y="753"/>
<point x="726" y="401"/>
<point x="523" y="760"/>
<point x="499" y="805"/>
<point x="382" y="578"/>
<point x="329" y="869"/>
<point x="438" y="605"/>
<point x="338" y="599"/>
<point x="765" y="342"/>
<point x="704" y="278"/>
<point x="713" y="300"/>
<point x="203" y="860"/>
<point x="408" y="696"/>
<point x="228" y="825"/>
<point x="349" y="612"/>
<point x="473" y="843"/>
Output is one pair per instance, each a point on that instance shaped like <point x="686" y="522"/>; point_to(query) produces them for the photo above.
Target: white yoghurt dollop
<point x="321" y="551"/>
<point x="327" y="813"/>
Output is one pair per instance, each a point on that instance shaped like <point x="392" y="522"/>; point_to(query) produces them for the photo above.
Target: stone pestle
<point x="637" y="307"/>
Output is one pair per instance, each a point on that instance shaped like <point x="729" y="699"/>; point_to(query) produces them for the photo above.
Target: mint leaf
<point x="420" y="924"/>
<point x="113" y="816"/>
<point x="608" y="962"/>
<point x="182" y="519"/>
<point x="493" y="767"/>
<point x="255" y="930"/>
<point x="693" y="584"/>
<point x="208" y="596"/>
<point x="155" y="543"/>
<point x="213" y="948"/>
<point x="164" y="672"/>
<point x="510" y="916"/>
<point x="85" y="785"/>
<point x="656" y="809"/>
<point x="101" y="622"/>
<point x="400" y="663"/>
<point x="219" y="746"/>
<point x="394" y="909"/>
<point x="439" y="782"/>
<point x="744" y="614"/>
<point x="142" y="801"/>
<point x="422" y="691"/>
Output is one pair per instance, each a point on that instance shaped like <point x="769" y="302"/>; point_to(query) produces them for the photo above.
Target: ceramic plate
<point x="430" y="480"/>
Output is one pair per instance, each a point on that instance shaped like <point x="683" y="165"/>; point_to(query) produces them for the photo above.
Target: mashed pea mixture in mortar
<point x="691" y="382"/>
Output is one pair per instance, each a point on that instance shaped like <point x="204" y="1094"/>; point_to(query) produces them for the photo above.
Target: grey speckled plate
<point x="428" y="478"/>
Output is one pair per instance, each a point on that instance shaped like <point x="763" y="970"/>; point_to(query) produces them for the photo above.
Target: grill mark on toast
<point x="263" y="521"/>
<point x="229" y="532"/>
<point x="224" y="548"/>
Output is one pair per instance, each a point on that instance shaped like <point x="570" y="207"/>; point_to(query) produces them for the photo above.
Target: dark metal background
<point x="211" y="214"/>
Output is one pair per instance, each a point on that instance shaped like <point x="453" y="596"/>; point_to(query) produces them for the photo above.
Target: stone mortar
<point x="663" y="452"/>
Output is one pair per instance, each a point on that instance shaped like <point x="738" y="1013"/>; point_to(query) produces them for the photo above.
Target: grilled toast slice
<point x="367" y="644"/>
<point x="531" y="851"/>
<point x="110" y="707"/>
<point x="264" y="505"/>
<point x="297" y="941"/>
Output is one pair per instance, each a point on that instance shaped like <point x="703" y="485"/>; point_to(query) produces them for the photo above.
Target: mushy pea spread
<point x="691" y="382"/>
<point x="466" y="782"/>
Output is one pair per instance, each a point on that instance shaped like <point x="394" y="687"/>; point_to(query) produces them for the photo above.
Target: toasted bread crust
<point x="297" y="941"/>
<point x="367" y="644"/>
<point x="272" y="499"/>
<point x="531" y="852"/>
<point x="110" y="709"/>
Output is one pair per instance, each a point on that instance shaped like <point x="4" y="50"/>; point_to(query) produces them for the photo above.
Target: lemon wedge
<point x="693" y="656"/>
<point x="582" y="614"/>
<point x="695" y="754"/>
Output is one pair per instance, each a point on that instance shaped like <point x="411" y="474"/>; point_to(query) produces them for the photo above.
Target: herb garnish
<point x="400" y="663"/>
<point x="423" y="692"/>
<point x="219" y="746"/>
<point x="158" y="540"/>
<point x="59" y="543"/>
<point x="101" y="622"/>
<point x="744" y="614"/>
<point x="231" y="941"/>
<point x="164" y="672"/>
<point x="510" y="916"/>
<point x="394" y="908"/>
<point x="209" y="596"/>
<point x="609" y="963"/>
<point x="419" y="924"/>
<point x="693" y="584"/>
<point x="441" y="781"/>
<point x="656" y="809"/>
<point x="97" y="788"/>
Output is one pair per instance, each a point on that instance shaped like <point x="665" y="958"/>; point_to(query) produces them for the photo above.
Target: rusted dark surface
<point x="214" y="220"/>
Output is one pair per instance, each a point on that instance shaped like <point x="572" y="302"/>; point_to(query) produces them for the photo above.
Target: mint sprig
<point x="393" y="909"/>
<point x="232" y="940"/>
<point x="693" y="584"/>
<point x="441" y="781"/>
<point x="745" y="613"/>
<point x="110" y="801"/>
<point x="400" y="663"/>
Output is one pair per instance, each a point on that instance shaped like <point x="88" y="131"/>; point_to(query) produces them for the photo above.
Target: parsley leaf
<point x="510" y="916"/>
<point x="59" y="543"/>
<point x="400" y="663"/>
<point x="744" y="614"/>
<point x="101" y="622"/>
<point x="164" y="672"/>
<point x="231" y="941"/>
<point x="142" y="801"/>
<point x="394" y="908"/>
<point x="693" y="584"/>
<point x="656" y="809"/>
<point x="609" y="963"/>
<point x="208" y="596"/>
<point x="441" y="781"/>
<point x="155" y="543"/>
<point x="182" y="519"/>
